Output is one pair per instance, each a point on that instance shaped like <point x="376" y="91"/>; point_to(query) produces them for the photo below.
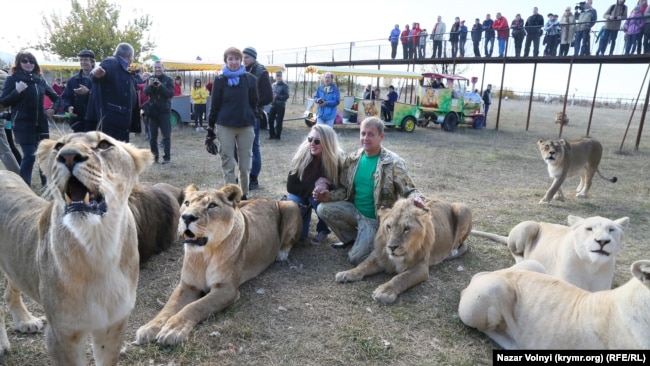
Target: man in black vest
<point x="265" y="97"/>
<point x="533" y="27"/>
<point x="160" y="89"/>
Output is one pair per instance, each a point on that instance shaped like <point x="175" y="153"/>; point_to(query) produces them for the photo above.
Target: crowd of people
<point x="557" y="34"/>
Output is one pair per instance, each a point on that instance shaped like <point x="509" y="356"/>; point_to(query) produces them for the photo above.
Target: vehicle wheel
<point x="175" y="118"/>
<point x="408" y="124"/>
<point x="450" y="122"/>
<point x="308" y="120"/>
<point x="479" y="123"/>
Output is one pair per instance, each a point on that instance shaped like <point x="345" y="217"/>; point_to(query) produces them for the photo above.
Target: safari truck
<point x="181" y="111"/>
<point x="450" y="104"/>
<point x="353" y="109"/>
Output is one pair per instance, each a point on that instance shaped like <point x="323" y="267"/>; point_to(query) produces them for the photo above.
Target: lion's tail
<point x="612" y="179"/>
<point x="493" y="237"/>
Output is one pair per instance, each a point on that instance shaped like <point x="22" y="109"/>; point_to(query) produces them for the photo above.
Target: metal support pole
<point x="593" y="101"/>
<point x="530" y="99"/>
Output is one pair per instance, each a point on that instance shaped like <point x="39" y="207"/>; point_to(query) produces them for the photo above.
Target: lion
<point x="409" y="240"/>
<point x="520" y="308"/>
<point x="227" y="242"/>
<point x="76" y="255"/>
<point x="430" y="98"/>
<point x="156" y="209"/>
<point x="565" y="159"/>
<point x="582" y="254"/>
<point x="561" y="118"/>
<point x="369" y="109"/>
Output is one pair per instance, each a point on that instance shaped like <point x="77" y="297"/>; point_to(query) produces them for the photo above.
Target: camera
<point x="5" y="115"/>
<point x="156" y="82"/>
<point x="580" y="6"/>
<point x="319" y="100"/>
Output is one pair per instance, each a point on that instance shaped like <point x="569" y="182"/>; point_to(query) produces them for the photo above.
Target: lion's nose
<point x="188" y="219"/>
<point x="392" y="247"/>
<point x="70" y="157"/>
<point x="602" y="243"/>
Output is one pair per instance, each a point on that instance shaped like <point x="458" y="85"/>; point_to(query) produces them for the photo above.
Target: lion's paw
<point x="581" y="195"/>
<point x="282" y="256"/>
<point x="384" y="294"/>
<point x="347" y="276"/>
<point x="173" y="332"/>
<point x="4" y="342"/>
<point x="147" y="333"/>
<point x="31" y="325"/>
<point x="544" y="202"/>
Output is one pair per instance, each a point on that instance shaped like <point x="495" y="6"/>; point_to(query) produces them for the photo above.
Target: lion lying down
<point x="520" y="308"/>
<point x="582" y="254"/>
<point x="409" y="240"/>
<point x="227" y="242"/>
<point x="76" y="255"/>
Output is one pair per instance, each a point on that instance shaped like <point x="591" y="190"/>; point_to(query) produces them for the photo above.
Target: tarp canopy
<point x="364" y="72"/>
<point x="179" y="65"/>
<point x="435" y="75"/>
<point x="59" y="65"/>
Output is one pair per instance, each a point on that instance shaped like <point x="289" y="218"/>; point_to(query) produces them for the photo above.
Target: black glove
<point x="211" y="133"/>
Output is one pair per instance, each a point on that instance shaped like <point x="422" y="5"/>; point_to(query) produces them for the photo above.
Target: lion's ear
<point x="192" y="188"/>
<point x="142" y="158"/>
<point x="562" y="142"/>
<point x="574" y="219"/>
<point x="233" y="192"/>
<point x="45" y="147"/>
<point x="540" y="142"/>
<point x="641" y="270"/>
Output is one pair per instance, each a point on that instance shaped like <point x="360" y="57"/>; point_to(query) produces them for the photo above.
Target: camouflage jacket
<point x="392" y="180"/>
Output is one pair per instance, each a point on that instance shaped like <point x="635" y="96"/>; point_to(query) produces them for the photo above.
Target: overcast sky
<point x="185" y="29"/>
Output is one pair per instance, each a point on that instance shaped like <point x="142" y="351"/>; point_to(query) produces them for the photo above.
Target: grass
<point x="304" y="318"/>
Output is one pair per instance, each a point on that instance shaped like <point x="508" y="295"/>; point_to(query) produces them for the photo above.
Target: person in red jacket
<point x="406" y="42"/>
<point x="501" y="26"/>
<point x="415" y="40"/>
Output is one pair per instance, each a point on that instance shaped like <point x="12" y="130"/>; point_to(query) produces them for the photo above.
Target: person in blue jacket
<point x="327" y="98"/>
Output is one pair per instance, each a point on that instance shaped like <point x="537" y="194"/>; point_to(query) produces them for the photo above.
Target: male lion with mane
<point x="227" y="242"/>
<point x="568" y="158"/>
<point x="523" y="308"/>
<point x="409" y="240"/>
<point x="76" y="255"/>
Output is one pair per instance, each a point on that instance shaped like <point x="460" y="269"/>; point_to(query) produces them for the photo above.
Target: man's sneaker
<point x="320" y="238"/>
<point x="253" y="185"/>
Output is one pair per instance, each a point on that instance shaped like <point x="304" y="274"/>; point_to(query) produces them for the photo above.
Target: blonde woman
<point x="314" y="167"/>
<point x="568" y="31"/>
<point x="199" y="97"/>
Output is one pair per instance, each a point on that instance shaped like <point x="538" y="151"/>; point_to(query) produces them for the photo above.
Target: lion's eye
<point x="406" y="230"/>
<point x="212" y="205"/>
<point x="187" y="203"/>
<point x="388" y="228"/>
<point x="103" y="145"/>
<point x="58" y="146"/>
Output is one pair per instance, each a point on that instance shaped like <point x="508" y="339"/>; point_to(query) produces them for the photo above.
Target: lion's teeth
<point x="68" y="200"/>
<point x="87" y="198"/>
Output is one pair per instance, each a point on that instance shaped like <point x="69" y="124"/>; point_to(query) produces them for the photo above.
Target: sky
<point x="189" y="28"/>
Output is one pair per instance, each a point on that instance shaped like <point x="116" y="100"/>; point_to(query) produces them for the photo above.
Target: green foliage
<point x="95" y="27"/>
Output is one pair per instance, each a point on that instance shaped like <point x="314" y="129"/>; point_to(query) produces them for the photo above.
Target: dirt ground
<point x="296" y="314"/>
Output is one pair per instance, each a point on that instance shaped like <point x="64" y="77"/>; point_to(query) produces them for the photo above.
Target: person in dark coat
<point x="113" y="98"/>
<point x="24" y="92"/>
<point x="77" y="89"/>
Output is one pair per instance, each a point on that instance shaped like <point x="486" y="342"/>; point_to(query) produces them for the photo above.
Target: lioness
<point x="566" y="159"/>
<point x="520" y="308"/>
<point x="409" y="240"/>
<point x="227" y="242"/>
<point x="76" y="255"/>
<point x="583" y="254"/>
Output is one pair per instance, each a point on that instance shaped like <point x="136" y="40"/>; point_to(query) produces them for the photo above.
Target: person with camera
<point x="327" y="98"/>
<point x="113" y="100"/>
<point x="533" y="28"/>
<point x="614" y="15"/>
<point x="586" y="18"/>
<point x="75" y="94"/>
<point x="24" y="91"/>
<point x="160" y="89"/>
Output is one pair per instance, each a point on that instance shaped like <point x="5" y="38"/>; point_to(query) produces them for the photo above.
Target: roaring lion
<point x="582" y="254"/>
<point x="76" y="255"/>
<point x="409" y="240"/>
<point x="227" y="242"/>
<point x="156" y="209"/>
<point x="520" y="308"/>
<point x="369" y="109"/>
<point x="566" y="159"/>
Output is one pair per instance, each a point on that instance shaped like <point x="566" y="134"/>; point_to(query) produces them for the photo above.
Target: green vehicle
<point x="353" y="109"/>
<point x="450" y="104"/>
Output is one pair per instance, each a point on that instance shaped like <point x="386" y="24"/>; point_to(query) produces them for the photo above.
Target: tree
<point x="94" y="27"/>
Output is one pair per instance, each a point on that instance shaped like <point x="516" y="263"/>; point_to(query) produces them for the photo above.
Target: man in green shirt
<point x="371" y="177"/>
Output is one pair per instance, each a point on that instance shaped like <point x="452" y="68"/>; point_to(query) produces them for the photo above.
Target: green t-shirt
<point x="364" y="185"/>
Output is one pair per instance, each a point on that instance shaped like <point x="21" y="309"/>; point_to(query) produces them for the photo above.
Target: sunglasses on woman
<point x="26" y="61"/>
<point x="315" y="141"/>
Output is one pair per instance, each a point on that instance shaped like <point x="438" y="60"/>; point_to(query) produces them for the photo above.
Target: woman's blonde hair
<point x="331" y="158"/>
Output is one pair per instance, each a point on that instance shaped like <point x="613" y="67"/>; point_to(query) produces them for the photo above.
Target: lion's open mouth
<point x="191" y="238"/>
<point x="79" y="198"/>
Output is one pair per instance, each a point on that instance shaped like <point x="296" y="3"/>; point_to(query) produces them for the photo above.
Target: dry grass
<point x="304" y="318"/>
